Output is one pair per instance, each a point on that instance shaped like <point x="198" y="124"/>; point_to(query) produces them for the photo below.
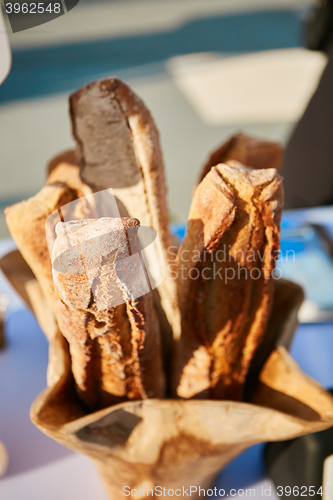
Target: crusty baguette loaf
<point x="250" y="151"/>
<point x="26" y="223"/>
<point x="224" y="278"/>
<point x="26" y="220"/>
<point x="105" y="310"/>
<point x="118" y="147"/>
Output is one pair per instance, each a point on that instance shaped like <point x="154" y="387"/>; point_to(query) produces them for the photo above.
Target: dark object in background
<point x="300" y="463"/>
<point x="307" y="169"/>
<point x="70" y="4"/>
<point x="318" y="25"/>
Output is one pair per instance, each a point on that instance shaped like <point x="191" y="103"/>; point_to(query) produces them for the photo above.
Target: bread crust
<point x="26" y="220"/>
<point x="131" y="153"/>
<point x="224" y="278"/>
<point x="118" y="147"/>
<point x="26" y="223"/>
<point x="250" y="151"/>
<point x="63" y="168"/>
<point x="105" y="310"/>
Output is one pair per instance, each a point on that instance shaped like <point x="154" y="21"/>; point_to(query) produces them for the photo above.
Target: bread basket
<point x="176" y="444"/>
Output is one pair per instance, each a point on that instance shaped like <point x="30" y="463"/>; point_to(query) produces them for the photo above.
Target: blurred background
<point x="206" y="69"/>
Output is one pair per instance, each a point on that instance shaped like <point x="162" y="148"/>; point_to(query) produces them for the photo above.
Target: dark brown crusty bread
<point x="225" y="289"/>
<point x="250" y="151"/>
<point x="118" y="147"/>
<point x="105" y="310"/>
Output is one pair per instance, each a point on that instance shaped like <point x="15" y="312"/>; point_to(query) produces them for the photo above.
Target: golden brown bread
<point x="121" y="151"/>
<point x="63" y="168"/>
<point x="26" y="223"/>
<point x="225" y="288"/>
<point x="118" y="147"/>
<point x="105" y="310"/>
<point x="67" y="157"/>
<point x="250" y="151"/>
<point x="26" y="220"/>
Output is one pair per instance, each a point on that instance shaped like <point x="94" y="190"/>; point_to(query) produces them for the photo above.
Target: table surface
<point x="45" y="469"/>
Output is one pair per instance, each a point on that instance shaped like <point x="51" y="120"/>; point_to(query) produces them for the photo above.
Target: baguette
<point x="224" y="279"/>
<point x="118" y="147"/>
<point x="26" y="223"/>
<point x="252" y="152"/>
<point x="105" y="310"/>
<point x="27" y="220"/>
